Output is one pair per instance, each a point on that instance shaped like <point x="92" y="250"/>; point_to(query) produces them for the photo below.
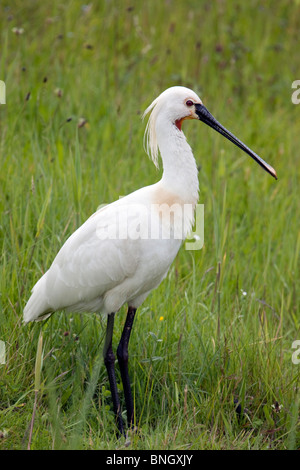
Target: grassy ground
<point x="231" y="310"/>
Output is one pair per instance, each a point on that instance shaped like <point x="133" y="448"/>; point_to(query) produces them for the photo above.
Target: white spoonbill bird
<point x="125" y="249"/>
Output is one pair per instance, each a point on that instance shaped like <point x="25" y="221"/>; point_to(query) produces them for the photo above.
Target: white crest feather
<point x="150" y="140"/>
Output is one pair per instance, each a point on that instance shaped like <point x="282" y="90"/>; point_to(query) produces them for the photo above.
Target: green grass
<point x="214" y="344"/>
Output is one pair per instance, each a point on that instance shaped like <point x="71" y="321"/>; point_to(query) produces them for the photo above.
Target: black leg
<point x="122" y="353"/>
<point x="109" y="361"/>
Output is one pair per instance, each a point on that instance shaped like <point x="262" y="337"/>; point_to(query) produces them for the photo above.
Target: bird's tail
<point x="37" y="307"/>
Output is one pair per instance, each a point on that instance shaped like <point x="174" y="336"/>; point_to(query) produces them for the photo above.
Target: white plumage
<point x="94" y="274"/>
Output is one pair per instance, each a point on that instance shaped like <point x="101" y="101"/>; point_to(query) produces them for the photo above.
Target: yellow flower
<point x="161" y="318"/>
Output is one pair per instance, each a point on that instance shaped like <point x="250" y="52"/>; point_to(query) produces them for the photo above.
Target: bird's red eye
<point x="189" y="103"/>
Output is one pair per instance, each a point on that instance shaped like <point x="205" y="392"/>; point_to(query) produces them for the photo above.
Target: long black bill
<point x="205" y="116"/>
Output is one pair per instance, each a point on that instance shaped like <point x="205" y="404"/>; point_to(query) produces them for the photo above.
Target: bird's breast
<point x="173" y="214"/>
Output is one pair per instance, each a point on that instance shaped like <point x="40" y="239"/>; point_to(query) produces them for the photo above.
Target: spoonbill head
<point x="177" y="104"/>
<point x="92" y="273"/>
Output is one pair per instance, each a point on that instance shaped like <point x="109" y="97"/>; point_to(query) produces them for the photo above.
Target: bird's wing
<point x="95" y="258"/>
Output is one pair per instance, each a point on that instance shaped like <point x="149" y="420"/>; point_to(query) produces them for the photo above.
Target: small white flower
<point x="18" y="31"/>
<point x="277" y="407"/>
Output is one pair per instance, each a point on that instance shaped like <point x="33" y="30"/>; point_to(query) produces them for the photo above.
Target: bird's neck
<point x="180" y="173"/>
